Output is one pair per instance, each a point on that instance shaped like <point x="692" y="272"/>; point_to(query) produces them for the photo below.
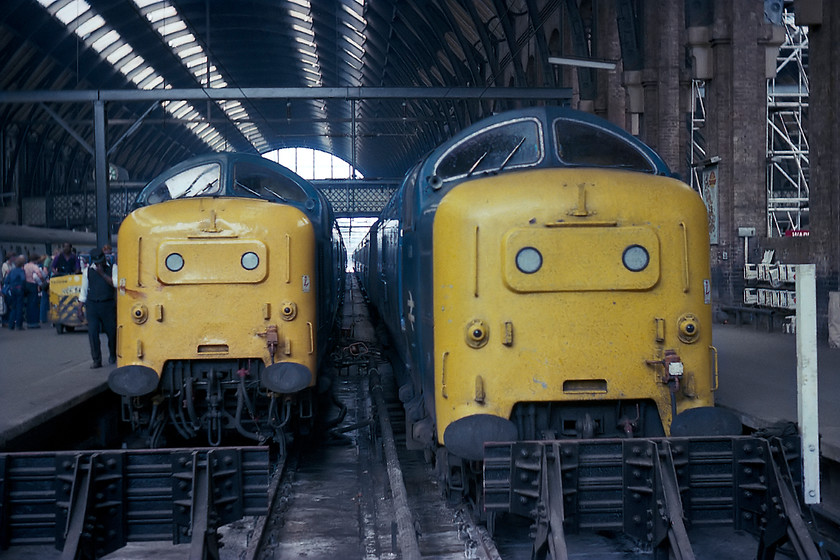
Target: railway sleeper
<point x="652" y="489"/>
<point x="91" y="503"/>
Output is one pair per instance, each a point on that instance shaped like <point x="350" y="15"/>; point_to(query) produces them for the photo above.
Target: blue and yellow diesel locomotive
<point x="231" y="271"/>
<point x="543" y="276"/>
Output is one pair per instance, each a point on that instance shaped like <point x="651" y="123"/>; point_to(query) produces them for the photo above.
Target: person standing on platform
<point x="45" y="287"/>
<point x="8" y="265"/>
<point x="110" y="257"/>
<point x="66" y="262"/>
<point x="98" y="297"/>
<point x="14" y="283"/>
<point x="33" y="287"/>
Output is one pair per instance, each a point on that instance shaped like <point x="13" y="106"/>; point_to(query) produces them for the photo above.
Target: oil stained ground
<point x="335" y="502"/>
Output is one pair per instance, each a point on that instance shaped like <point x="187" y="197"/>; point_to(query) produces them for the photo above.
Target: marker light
<point x="635" y="258"/>
<point x="528" y="260"/>
<point x="174" y="262"/>
<point x="250" y="261"/>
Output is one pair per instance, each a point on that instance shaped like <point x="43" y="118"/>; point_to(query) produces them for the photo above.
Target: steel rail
<point x="406" y="535"/>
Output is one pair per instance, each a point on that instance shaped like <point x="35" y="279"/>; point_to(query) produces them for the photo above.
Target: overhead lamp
<point x="582" y="62"/>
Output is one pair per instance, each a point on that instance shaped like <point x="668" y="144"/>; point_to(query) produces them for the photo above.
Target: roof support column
<point x="103" y="233"/>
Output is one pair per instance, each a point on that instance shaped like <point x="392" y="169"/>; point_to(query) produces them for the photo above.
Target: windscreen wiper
<point x="513" y="151"/>
<point x="477" y="162"/>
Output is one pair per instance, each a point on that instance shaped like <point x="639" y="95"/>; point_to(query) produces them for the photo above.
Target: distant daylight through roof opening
<point x="317" y="165"/>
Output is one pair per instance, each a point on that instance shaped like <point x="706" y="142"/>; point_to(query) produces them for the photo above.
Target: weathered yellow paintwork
<point x="582" y="327"/>
<point x="213" y="308"/>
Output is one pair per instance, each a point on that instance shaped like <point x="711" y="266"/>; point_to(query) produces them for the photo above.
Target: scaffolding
<point x="788" y="167"/>
<point x="697" y="153"/>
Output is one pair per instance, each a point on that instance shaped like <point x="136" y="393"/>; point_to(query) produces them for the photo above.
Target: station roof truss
<point x="374" y="82"/>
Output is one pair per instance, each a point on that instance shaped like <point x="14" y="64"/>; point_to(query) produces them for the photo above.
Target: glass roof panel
<point x="154" y="83"/>
<point x="72" y="10"/>
<point x="157" y="14"/>
<point x="196" y="61"/>
<point x="304" y="41"/>
<point x="188" y="50"/>
<point x="181" y="40"/>
<point x="103" y="42"/>
<point x="141" y="75"/>
<point x="119" y="53"/>
<point x="301" y="29"/>
<point x="88" y="27"/>
<point x="131" y="64"/>
<point x="169" y="27"/>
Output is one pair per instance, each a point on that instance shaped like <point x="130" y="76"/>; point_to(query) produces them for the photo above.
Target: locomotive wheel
<point x="491" y="522"/>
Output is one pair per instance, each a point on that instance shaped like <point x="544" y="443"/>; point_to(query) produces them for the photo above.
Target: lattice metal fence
<point x="349" y="199"/>
<point x="80" y="209"/>
<point x="357" y="198"/>
<point x="74" y="210"/>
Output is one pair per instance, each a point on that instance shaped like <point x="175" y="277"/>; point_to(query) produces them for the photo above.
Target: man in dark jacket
<point x="66" y="262"/>
<point x="14" y="283"/>
<point x="98" y="296"/>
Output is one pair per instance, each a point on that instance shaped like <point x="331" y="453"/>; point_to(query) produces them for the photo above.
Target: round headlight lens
<point x="250" y="261"/>
<point x="174" y="262"/>
<point x="635" y="258"/>
<point x="528" y="260"/>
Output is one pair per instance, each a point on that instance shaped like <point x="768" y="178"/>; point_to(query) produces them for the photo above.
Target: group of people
<point x="25" y="282"/>
<point x="25" y="287"/>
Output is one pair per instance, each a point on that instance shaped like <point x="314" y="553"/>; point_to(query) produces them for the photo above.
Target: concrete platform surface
<point x="43" y="374"/>
<point x="758" y="380"/>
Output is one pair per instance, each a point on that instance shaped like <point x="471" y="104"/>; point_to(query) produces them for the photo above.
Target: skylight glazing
<point x="166" y="20"/>
<point x="93" y="30"/>
<point x="301" y="12"/>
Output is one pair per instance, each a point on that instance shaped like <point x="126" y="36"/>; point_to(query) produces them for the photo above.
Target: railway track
<point x="353" y="490"/>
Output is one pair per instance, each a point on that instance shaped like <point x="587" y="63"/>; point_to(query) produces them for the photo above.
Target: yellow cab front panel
<point x="557" y="286"/>
<point x="208" y="278"/>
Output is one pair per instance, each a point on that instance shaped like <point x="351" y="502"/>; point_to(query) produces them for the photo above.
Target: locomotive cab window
<point x="508" y="145"/>
<point x="201" y="180"/>
<point x="264" y="182"/>
<point x="585" y="144"/>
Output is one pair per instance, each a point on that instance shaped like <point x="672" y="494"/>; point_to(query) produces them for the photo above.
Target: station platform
<point x="43" y="374"/>
<point x="757" y="381"/>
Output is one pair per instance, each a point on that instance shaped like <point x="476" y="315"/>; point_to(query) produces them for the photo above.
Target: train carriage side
<point x="361" y="256"/>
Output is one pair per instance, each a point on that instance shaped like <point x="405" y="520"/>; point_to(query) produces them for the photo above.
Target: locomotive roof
<point x="230" y="174"/>
<point x="535" y="137"/>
